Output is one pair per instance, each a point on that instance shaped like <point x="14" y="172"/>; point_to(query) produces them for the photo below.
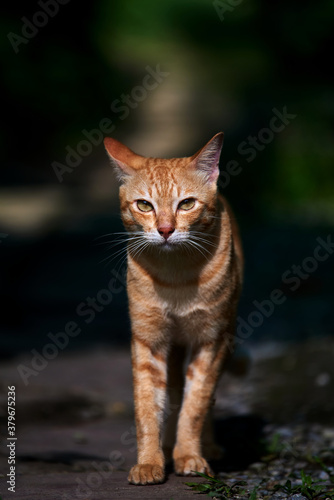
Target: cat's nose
<point x="166" y="231"/>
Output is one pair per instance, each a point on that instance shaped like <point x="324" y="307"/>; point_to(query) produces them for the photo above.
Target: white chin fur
<point x="173" y="241"/>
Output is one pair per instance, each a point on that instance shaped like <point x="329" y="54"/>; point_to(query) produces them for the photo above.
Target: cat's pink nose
<point x="166" y="231"/>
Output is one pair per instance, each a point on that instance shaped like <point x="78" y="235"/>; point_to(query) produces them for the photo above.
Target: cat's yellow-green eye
<point x="144" y="206"/>
<point x="187" y="204"/>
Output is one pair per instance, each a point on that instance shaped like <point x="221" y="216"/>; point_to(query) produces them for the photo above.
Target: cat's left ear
<point x="206" y="160"/>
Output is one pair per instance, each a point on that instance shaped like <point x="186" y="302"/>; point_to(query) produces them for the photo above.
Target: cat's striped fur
<point x="184" y="279"/>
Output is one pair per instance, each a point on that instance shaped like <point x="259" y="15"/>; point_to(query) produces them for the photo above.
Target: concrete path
<point x="75" y="425"/>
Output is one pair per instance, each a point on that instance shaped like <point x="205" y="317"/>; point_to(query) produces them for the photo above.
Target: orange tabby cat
<point x="184" y="279"/>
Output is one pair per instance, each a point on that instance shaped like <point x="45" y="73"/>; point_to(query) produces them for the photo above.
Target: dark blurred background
<point x="163" y="77"/>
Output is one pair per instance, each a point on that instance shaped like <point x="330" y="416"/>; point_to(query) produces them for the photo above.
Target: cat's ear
<point x="206" y="160"/>
<point x="122" y="158"/>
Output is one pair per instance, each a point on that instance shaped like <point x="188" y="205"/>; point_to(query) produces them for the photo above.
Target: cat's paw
<point x="189" y="464"/>
<point x="146" y="474"/>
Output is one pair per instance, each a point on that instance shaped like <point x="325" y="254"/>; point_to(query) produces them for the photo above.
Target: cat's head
<point x="167" y="202"/>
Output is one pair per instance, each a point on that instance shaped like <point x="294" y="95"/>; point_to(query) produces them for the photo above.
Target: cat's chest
<point x="182" y="291"/>
<point x="191" y="315"/>
<point x="181" y="299"/>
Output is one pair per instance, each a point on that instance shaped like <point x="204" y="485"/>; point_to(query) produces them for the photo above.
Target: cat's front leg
<point x="201" y="379"/>
<point x="149" y="380"/>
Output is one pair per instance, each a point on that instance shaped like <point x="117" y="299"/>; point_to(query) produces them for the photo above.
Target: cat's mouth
<point x="168" y="245"/>
<point x="171" y="243"/>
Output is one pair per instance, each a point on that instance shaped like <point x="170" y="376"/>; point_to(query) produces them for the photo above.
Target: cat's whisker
<point x="128" y="240"/>
<point x="137" y="242"/>
<point x="123" y="259"/>
<point x="199" y="248"/>
<point x="121" y="262"/>
<point x="120" y="253"/>
<point x="111" y="243"/>
<point x="114" y="254"/>
<point x="187" y="248"/>
<point x="198" y="244"/>
<point x="134" y="248"/>
<point x="203" y="240"/>
<point x="110" y="258"/>
<point x="124" y="238"/>
<point x="119" y="241"/>
<point x="126" y="233"/>
<point x="141" y="248"/>
<point x="203" y="233"/>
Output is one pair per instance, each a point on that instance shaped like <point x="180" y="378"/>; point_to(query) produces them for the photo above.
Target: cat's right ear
<point x="121" y="157"/>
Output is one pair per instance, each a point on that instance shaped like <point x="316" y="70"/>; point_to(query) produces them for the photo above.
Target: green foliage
<point x="275" y="446"/>
<point x="324" y="468"/>
<point x="216" y="488"/>
<point x="253" y="493"/>
<point x="309" y="488"/>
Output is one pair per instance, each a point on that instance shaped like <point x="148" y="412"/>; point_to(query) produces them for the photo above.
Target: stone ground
<point x="76" y="439"/>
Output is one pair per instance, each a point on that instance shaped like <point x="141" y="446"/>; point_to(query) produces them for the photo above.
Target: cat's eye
<point x="144" y="206"/>
<point x="187" y="204"/>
